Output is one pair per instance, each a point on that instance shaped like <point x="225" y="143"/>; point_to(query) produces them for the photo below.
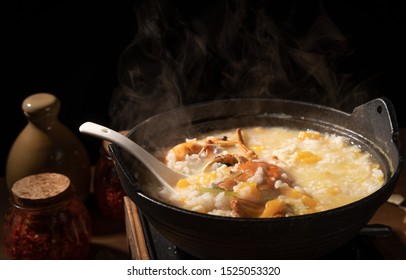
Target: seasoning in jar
<point x="46" y="220"/>
<point x="108" y="190"/>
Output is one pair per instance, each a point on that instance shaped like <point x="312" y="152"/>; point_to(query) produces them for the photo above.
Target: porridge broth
<point x="262" y="172"/>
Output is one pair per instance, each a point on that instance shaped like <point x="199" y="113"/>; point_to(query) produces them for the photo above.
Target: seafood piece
<point x="207" y="145"/>
<point x="249" y="209"/>
<point x="270" y="173"/>
<point x="246" y="208"/>
<point x="269" y="181"/>
<point x="232" y="159"/>
<point x="228" y="159"/>
<point x="244" y="171"/>
<point x="251" y="154"/>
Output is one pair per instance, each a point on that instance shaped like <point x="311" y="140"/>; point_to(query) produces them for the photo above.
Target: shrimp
<point x="207" y="145"/>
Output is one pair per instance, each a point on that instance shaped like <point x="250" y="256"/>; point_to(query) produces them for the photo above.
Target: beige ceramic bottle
<point x="47" y="145"/>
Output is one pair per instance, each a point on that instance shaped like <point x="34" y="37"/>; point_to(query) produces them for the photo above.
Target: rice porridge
<point x="261" y="172"/>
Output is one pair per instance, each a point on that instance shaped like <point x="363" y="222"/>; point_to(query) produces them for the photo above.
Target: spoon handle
<point x="164" y="174"/>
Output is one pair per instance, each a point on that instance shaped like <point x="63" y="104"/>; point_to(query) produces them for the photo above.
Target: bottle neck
<point x="43" y="121"/>
<point x="42" y="110"/>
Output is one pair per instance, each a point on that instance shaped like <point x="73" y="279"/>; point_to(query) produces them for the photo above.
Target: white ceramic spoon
<point x="163" y="173"/>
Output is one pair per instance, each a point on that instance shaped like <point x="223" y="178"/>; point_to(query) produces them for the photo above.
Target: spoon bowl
<point x="163" y="173"/>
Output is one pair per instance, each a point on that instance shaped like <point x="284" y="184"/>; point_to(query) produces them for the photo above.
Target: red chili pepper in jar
<point x="46" y="221"/>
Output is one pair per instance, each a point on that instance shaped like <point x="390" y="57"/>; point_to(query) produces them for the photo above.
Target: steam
<point x="185" y="53"/>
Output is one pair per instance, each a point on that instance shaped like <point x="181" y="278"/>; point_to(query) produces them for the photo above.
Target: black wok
<point x="372" y="126"/>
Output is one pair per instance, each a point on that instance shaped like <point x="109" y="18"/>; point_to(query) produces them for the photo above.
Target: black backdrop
<point x="68" y="48"/>
<point x="71" y="49"/>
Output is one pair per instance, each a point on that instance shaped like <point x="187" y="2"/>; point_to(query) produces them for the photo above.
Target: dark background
<point x="71" y="49"/>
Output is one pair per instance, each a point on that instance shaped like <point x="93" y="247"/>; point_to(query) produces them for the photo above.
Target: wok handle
<point x="377" y="120"/>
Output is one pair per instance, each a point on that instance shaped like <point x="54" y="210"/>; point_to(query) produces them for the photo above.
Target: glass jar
<point x="46" y="220"/>
<point x="108" y="190"/>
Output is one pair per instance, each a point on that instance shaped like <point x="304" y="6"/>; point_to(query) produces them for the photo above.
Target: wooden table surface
<point x="110" y="239"/>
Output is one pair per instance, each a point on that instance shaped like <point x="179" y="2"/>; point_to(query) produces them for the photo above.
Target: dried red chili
<point x="46" y="220"/>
